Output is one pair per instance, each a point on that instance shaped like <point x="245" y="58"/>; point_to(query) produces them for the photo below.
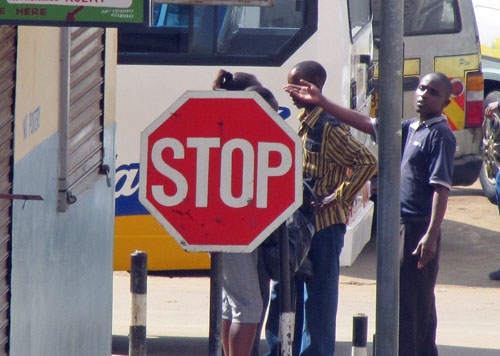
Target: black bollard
<point x="359" y="335"/>
<point x="138" y="289"/>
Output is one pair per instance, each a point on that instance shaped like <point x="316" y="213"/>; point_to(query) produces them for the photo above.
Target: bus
<point x="441" y="36"/>
<point x="185" y="47"/>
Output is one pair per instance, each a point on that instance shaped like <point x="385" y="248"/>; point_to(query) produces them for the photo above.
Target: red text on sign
<point x="31" y="11"/>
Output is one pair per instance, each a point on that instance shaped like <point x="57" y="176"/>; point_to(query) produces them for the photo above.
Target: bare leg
<point x="241" y="338"/>
<point x="225" y="327"/>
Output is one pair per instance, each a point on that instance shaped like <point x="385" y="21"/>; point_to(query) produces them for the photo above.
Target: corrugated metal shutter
<point x="85" y="148"/>
<point x="8" y="39"/>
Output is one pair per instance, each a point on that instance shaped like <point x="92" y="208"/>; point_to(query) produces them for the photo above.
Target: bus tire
<point x="490" y="150"/>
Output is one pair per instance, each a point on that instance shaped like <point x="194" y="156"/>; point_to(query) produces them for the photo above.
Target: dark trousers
<point x="417" y="314"/>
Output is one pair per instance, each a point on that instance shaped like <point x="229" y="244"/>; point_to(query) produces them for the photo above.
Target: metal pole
<point x="388" y="205"/>
<point x="64" y="89"/>
<point x="359" y="335"/>
<point x="214" y="338"/>
<point x="138" y="288"/>
<point x="287" y="316"/>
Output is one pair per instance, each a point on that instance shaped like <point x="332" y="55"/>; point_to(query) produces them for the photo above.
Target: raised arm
<point x="309" y="93"/>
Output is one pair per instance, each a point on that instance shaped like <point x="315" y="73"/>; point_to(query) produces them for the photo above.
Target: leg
<point x="225" y="327"/>
<point x="241" y="338"/>
<point x="243" y="298"/>
<point x="321" y="293"/>
<point x="417" y="315"/>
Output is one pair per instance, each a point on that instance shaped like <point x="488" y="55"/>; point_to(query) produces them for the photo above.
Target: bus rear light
<point x="457" y="88"/>
<point x="474" y="101"/>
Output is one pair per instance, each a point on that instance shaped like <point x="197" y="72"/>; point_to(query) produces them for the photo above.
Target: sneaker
<point x="495" y="275"/>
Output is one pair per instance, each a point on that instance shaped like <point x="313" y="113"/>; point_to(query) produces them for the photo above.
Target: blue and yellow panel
<point x="136" y="229"/>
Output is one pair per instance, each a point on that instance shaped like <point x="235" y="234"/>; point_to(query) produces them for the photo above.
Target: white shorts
<point x="241" y="298"/>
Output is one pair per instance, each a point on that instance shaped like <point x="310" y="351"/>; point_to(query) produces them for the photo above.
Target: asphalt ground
<point x="468" y="303"/>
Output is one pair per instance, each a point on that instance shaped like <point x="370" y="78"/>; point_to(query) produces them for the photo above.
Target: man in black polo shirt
<point x="426" y="176"/>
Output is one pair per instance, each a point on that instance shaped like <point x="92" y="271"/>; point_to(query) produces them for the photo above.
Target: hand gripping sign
<point x="220" y="170"/>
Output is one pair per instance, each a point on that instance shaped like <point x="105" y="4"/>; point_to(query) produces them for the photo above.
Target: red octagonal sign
<point x="220" y="170"/>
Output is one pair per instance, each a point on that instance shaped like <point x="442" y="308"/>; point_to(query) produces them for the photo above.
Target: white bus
<point x="184" y="49"/>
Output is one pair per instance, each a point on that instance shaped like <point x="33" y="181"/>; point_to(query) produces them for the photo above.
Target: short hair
<point x="313" y="72"/>
<point x="237" y="81"/>
<point x="443" y="78"/>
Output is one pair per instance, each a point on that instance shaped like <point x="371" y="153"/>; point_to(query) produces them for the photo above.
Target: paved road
<point x="468" y="302"/>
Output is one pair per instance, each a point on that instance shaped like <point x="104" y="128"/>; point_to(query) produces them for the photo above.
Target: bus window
<point x="244" y="35"/>
<point x="359" y="15"/>
<point x="165" y="15"/>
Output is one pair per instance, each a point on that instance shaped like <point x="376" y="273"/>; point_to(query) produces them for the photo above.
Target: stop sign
<point x="220" y="170"/>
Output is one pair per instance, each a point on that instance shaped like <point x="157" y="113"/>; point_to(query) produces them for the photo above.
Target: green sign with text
<point x="72" y="12"/>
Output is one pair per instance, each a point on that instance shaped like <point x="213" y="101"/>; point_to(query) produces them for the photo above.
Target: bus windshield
<point x="424" y="17"/>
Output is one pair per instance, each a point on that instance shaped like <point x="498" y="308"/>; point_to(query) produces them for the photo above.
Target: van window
<point x="423" y="17"/>
<point x="190" y="34"/>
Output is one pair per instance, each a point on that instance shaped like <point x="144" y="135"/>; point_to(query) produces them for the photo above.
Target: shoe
<point x="495" y="275"/>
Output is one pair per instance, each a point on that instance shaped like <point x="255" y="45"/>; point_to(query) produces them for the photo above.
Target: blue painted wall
<point x="62" y="263"/>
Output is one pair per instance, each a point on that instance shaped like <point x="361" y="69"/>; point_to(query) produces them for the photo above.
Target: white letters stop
<point x="202" y="145"/>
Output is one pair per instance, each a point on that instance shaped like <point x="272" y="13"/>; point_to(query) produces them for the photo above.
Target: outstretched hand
<point x="306" y="92"/>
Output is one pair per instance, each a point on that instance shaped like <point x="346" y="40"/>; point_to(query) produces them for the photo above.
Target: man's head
<point x="432" y="95"/>
<point x="310" y="71"/>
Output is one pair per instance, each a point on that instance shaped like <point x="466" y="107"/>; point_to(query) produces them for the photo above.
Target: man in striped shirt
<point x="336" y="166"/>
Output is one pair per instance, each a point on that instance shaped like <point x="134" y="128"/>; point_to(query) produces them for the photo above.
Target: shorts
<point x="241" y="298"/>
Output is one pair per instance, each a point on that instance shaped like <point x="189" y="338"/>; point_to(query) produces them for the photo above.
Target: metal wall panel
<point x="8" y="39"/>
<point x="85" y="149"/>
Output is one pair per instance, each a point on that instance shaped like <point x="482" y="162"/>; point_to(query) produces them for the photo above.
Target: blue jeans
<point x="317" y="299"/>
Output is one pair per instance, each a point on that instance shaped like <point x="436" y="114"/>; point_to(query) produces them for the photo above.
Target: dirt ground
<point x="468" y="303"/>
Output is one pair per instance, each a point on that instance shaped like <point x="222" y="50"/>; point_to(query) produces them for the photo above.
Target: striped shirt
<point x="334" y="162"/>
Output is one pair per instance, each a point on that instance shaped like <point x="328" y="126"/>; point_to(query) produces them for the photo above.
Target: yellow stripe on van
<point x="456" y="115"/>
<point x="144" y="233"/>
<point x="456" y="66"/>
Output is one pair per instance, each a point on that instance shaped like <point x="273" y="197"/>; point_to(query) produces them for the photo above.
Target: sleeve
<point x="345" y="150"/>
<point x="441" y="165"/>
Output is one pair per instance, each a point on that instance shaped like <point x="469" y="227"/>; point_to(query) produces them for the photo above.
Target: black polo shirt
<point x="428" y="153"/>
